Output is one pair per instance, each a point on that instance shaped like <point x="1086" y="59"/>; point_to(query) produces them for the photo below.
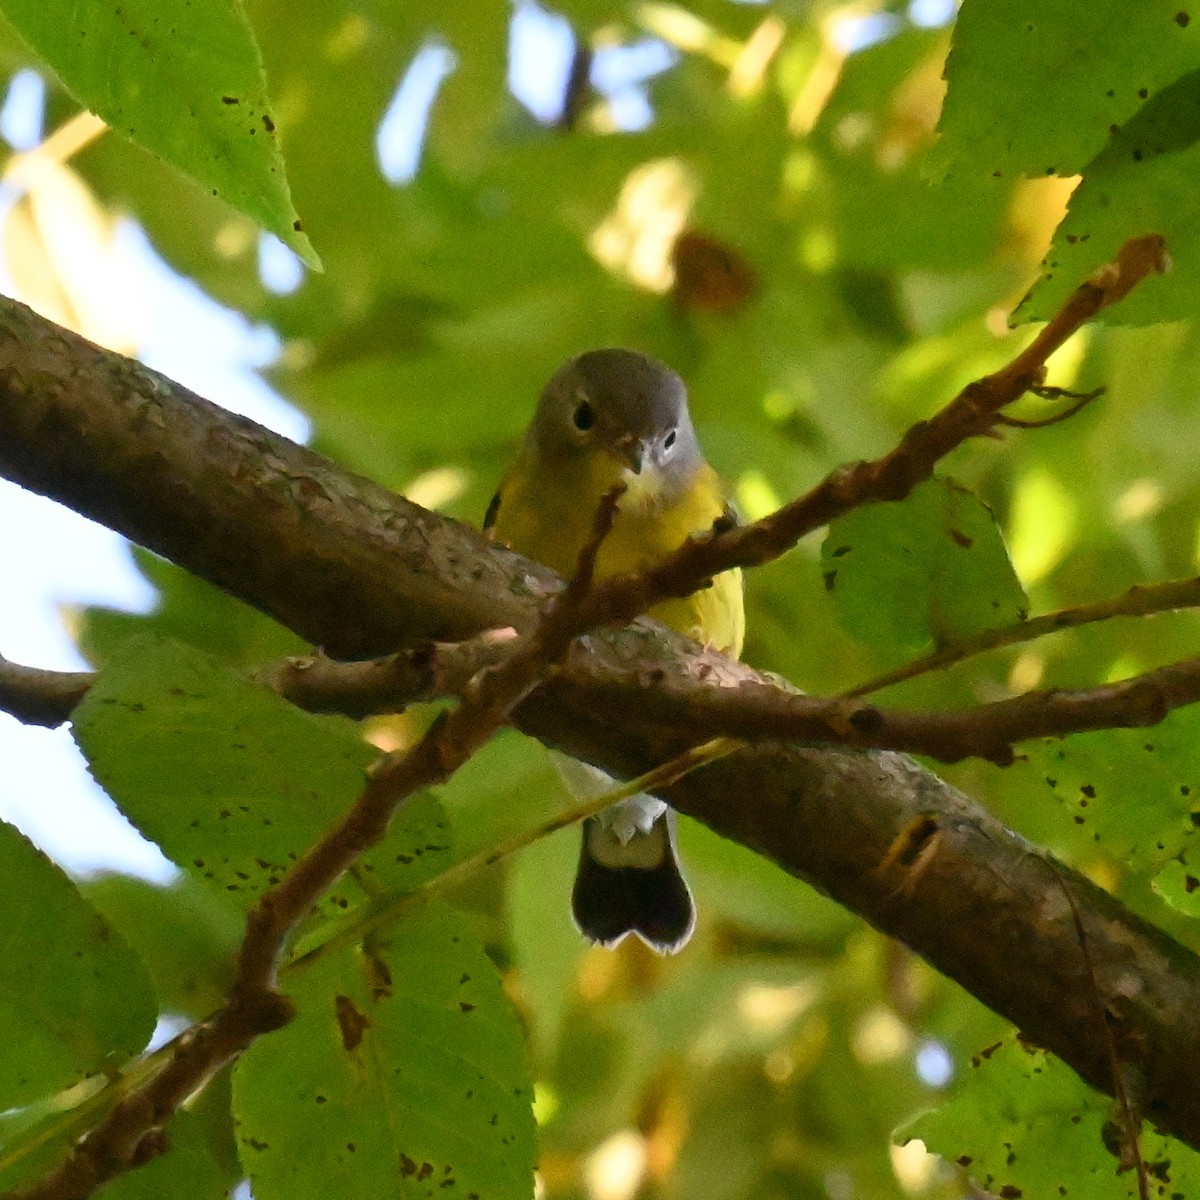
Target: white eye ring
<point x="669" y="441"/>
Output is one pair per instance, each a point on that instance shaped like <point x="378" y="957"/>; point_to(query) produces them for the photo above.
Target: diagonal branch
<point x="974" y="412"/>
<point x="361" y="572"/>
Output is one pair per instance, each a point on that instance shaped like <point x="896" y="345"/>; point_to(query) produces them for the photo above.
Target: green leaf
<point x="1024" y="1123"/>
<point x="931" y="568"/>
<point x="1036" y="86"/>
<point x="72" y="993"/>
<point x="1130" y="792"/>
<point x="402" y="1076"/>
<point x="186" y="934"/>
<point x="1142" y="182"/>
<point x="231" y="780"/>
<point x="185" y="81"/>
<point x="1179" y="885"/>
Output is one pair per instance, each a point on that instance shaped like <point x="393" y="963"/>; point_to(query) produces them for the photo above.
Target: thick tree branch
<point x="362" y="572"/>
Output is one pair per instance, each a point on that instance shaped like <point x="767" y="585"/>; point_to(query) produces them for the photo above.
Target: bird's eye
<point x="669" y="440"/>
<point x="585" y="417"/>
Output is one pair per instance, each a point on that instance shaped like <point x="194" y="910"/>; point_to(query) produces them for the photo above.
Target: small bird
<point x="607" y="417"/>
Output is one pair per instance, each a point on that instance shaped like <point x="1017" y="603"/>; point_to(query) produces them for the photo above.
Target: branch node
<point x="1137" y="258"/>
<point x="150" y="1145"/>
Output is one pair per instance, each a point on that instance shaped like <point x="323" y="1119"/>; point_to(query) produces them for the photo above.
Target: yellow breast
<point x="549" y="517"/>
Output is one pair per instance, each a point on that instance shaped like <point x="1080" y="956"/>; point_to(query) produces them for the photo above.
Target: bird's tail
<point x="629" y="879"/>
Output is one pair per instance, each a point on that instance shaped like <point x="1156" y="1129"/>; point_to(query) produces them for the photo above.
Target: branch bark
<point x="362" y="572"/>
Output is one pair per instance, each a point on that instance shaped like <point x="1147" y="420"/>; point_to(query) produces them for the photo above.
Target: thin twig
<point x="1141" y="600"/>
<point x="578" y="88"/>
<point x="1130" y="1121"/>
<point x="1081" y="401"/>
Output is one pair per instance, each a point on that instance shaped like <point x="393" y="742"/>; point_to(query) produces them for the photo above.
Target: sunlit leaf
<point x="1140" y="183"/>
<point x="1179" y="885"/>
<point x="1036" y="87"/>
<point x="182" y="79"/>
<point x="1044" y="1132"/>
<point x="1130" y="792"/>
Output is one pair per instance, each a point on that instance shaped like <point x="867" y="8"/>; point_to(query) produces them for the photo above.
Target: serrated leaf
<point x="1142" y="182"/>
<point x="185" y="81"/>
<point x="1132" y="790"/>
<point x="1023" y="1123"/>
<point x="72" y="993"/>
<point x="228" y="778"/>
<point x="402" y="1076"/>
<point x="1035" y="86"/>
<point x="931" y="568"/>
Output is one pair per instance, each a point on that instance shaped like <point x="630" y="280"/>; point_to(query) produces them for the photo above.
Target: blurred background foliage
<point x="754" y="193"/>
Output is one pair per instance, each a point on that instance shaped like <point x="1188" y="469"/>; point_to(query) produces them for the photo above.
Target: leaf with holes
<point x="1132" y="793"/>
<point x="232" y="781"/>
<point x="1144" y="181"/>
<point x="1178" y="883"/>
<point x="1024" y="1124"/>
<point x="931" y="568"/>
<point x="402" y="1076"/>
<point x="1034" y="87"/>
